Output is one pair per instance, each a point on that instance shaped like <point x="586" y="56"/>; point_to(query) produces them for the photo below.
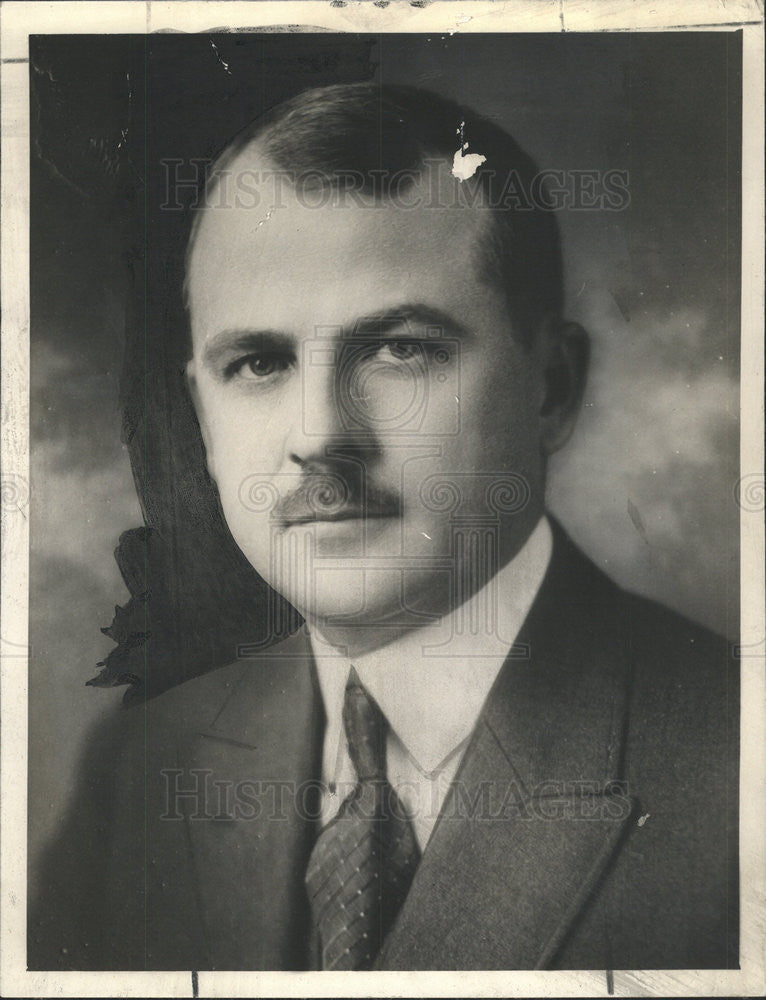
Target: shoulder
<point x="656" y="640"/>
<point x="675" y="660"/>
<point x="681" y="749"/>
<point x="653" y="627"/>
<point x="156" y="723"/>
<point x="684" y="713"/>
<point x="682" y="678"/>
<point x="136" y="726"/>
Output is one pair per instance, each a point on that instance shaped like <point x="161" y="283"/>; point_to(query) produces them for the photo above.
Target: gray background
<point x="646" y="486"/>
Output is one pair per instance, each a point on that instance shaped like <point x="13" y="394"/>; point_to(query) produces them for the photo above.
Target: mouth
<point x="347" y="513"/>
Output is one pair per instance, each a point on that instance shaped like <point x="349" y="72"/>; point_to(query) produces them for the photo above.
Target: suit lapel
<point x="256" y="760"/>
<point x="532" y="820"/>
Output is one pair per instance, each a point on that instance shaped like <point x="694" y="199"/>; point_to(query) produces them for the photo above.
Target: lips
<point x="349" y="513"/>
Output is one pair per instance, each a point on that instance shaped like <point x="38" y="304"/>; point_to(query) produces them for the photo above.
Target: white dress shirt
<point x="431" y="684"/>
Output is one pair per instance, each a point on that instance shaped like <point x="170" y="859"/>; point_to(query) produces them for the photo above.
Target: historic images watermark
<point x="750" y="492"/>
<point x="197" y="795"/>
<point x="550" y="190"/>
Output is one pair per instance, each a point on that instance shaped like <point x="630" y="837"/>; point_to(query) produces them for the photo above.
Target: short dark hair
<point x="383" y="136"/>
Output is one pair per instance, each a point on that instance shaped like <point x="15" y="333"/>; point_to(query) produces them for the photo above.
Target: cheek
<point x="498" y="413"/>
<point x="242" y="464"/>
<point x="244" y="450"/>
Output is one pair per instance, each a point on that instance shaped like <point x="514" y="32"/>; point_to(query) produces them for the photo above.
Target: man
<point x="477" y="752"/>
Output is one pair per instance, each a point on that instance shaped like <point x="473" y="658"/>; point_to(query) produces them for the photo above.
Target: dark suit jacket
<point x="592" y="823"/>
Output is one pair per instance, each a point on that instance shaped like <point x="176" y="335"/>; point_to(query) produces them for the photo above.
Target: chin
<point x="358" y="605"/>
<point x="329" y="594"/>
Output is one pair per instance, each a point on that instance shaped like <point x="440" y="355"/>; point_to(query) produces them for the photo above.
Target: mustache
<point x="331" y="497"/>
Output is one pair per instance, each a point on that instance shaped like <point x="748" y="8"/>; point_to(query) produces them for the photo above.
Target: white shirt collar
<point x="432" y="682"/>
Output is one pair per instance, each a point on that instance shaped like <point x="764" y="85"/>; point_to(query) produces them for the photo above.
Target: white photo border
<point x="20" y="19"/>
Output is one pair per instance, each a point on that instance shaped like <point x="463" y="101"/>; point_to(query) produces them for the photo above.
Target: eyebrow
<point x="416" y="314"/>
<point x="371" y="324"/>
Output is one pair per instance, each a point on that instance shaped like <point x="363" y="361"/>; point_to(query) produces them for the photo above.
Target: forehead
<point x="267" y="254"/>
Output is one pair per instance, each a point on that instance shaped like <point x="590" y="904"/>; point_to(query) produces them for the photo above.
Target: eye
<point x="258" y="366"/>
<point x="403" y="350"/>
<point x="393" y="351"/>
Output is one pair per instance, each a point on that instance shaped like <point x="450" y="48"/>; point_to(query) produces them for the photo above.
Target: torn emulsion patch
<point x="465" y="164"/>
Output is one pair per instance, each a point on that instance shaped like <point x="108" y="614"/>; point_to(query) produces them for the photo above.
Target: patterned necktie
<point x="363" y="861"/>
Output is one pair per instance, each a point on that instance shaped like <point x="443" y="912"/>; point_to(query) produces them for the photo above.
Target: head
<point x="378" y="356"/>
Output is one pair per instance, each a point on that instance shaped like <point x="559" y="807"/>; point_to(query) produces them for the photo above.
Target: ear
<point x="565" y="354"/>
<point x="190" y="376"/>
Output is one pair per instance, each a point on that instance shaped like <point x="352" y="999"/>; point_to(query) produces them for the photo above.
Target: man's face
<point x="370" y="420"/>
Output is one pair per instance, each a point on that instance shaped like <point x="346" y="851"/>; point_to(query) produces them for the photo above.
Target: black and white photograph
<point x="388" y="512"/>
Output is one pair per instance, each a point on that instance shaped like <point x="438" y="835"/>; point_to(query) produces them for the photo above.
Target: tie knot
<point x="366" y="729"/>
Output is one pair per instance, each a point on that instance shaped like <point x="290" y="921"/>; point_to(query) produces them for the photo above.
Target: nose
<point x="320" y="424"/>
